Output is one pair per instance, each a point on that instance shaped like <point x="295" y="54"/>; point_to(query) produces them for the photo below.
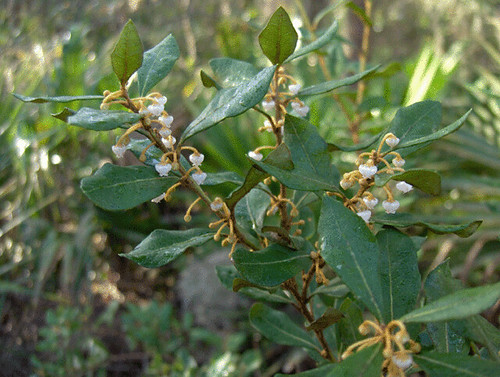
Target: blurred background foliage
<point x="70" y="306"/>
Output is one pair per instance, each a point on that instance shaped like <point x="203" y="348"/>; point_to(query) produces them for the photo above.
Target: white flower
<point x="345" y="184"/>
<point x="255" y="155"/>
<point x="404" y="187"/>
<point x="216" y="204"/>
<point x="370" y="203"/>
<point x="163" y="168"/>
<point x="158" y="199"/>
<point x="300" y="108"/>
<point x="196" y="159"/>
<point x="294" y="89"/>
<point x="402" y="360"/>
<point x="268" y="125"/>
<point x="199" y="177"/>
<point x="367" y="171"/>
<point x="119" y="150"/>
<point x="398" y="162"/>
<point x="365" y="215"/>
<point x="169" y="142"/>
<point x="392" y="141"/>
<point x="268" y="105"/>
<point x="165" y="132"/>
<point x="161" y="100"/>
<point x="390" y="206"/>
<point x="167" y="121"/>
<point x="155" y="109"/>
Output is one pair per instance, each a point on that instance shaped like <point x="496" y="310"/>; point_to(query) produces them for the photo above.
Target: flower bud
<point x="255" y="155"/>
<point x="398" y="162"/>
<point x="119" y="150"/>
<point x="367" y="171"/>
<point x="196" y="158"/>
<point x="163" y="168"/>
<point x="390" y="206"/>
<point x="294" y="89"/>
<point x="199" y="177"/>
<point x="392" y="141"/>
<point x="365" y="215"/>
<point x="404" y="187"/>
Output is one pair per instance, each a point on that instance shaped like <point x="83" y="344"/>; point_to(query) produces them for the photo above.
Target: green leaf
<point x="208" y="81"/>
<point x="214" y="179"/>
<point x="402" y="220"/>
<point x="455" y="365"/>
<point x="351" y="148"/>
<point x="64" y="114"/>
<point x="348" y="326"/>
<point x="230" y="102"/>
<point x="98" y="120"/>
<point x="329" y="317"/>
<point x="426" y="180"/>
<point x="351" y="250"/>
<point x="250" y="212"/>
<point x="278" y="327"/>
<point x="458" y="305"/>
<point x="436" y="135"/>
<point x="163" y="246"/>
<point x="157" y="63"/>
<point x="232" y="72"/>
<point x="126" y="57"/>
<point x="312" y="170"/>
<point x="398" y="273"/>
<point x="364" y="363"/>
<point x="325" y="38"/>
<point x="334" y="84"/>
<point x="226" y="275"/>
<point x="58" y="99"/>
<point x="271" y="266"/>
<point x="278" y="39"/>
<point x="122" y="187"/>
<point x="360" y="13"/>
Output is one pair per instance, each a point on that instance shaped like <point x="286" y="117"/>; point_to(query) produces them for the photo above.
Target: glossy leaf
<point x="402" y="220"/>
<point x="58" y="99"/>
<point x="64" y="114"/>
<point x="455" y="365"/>
<point x="351" y="250"/>
<point x="349" y="324"/>
<point x="232" y="72"/>
<point x="329" y="317"/>
<point x="98" y="120"/>
<point x="278" y="39"/>
<point x="214" y="179"/>
<point x="122" y="187"/>
<point x="126" y="57"/>
<point x="310" y="159"/>
<point x="324" y="39"/>
<point x="250" y="212"/>
<point x="426" y="180"/>
<point x="457" y="305"/>
<point x="328" y="86"/>
<point x="230" y="102"/>
<point x="163" y="246"/>
<point x="271" y="266"/>
<point x="364" y="363"/>
<point x="226" y="275"/>
<point x="351" y="148"/>
<point x="208" y="81"/>
<point x="157" y="63"/>
<point x="399" y="274"/>
<point x="279" y="328"/>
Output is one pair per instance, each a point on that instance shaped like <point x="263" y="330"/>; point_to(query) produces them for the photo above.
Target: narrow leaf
<point x="278" y="39"/>
<point x="351" y="250"/>
<point x="334" y="84"/>
<point x="157" y="63"/>
<point x="455" y="365"/>
<point x="64" y="114"/>
<point x="126" y="57"/>
<point x="279" y="328"/>
<point x="360" y="13"/>
<point x="164" y="246"/>
<point x="426" y="180"/>
<point x="329" y="317"/>
<point x="325" y="38"/>
<point x="99" y="120"/>
<point x="458" y="305"/>
<point x="117" y="187"/>
<point x="58" y="99"/>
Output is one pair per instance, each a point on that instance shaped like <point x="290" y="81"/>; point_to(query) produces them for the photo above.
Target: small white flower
<point x="345" y="184"/>
<point x="165" y="132"/>
<point x="402" y="360"/>
<point x="169" y="142"/>
<point x="370" y="203"/>
<point x="367" y="171"/>
<point x="392" y="141"/>
<point x="268" y="105"/>
<point x="196" y="159"/>
<point x="365" y="215"/>
<point x="255" y="155"/>
<point x="158" y="199"/>
<point x="300" y="109"/>
<point x="167" y="121"/>
<point x="390" y="207"/>
<point x="268" y="125"/>
<point x="163" y="168"/>
<point x="119" y="150"/>
<point x="404" y="187"/>
<point x="216" y="204"/>
<point x="199" y="177"/>
<point x="294" y="89"/>
<point x="155" y="109"/>
<point x="398" y="162"/>
<point x="162" y="100"/>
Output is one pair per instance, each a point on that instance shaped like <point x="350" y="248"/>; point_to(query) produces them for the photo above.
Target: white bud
<point x="404" y="187"/>
<point x="402" y="360"/>
<point x="367" y="171"/>
<point x="119" y="150"/>
<point x="255" y="155"/>
<point x="155" y="109"/>
<point x="169" y="142"/>
<point x="196" y="159"/>
<point x="300" y="109"/>
<point x="398" y="162"/>
<point x="365" y="215"/>
<point x="163" y="168"/>
<point x="370" y="203"/>
<point x="158" y="199"/>
<point x="199" y="177"/>
<point x="216" y="205"/>
<point x="167" y="121"/>
<point x="392" y="141"/>
<point x="390" y="207"/>
<point x="294" y="89"/>
<point x="161" y="100"/>
<point x="165" y="132"/>
<point x="268" y="125"/>
<point x="345" y="184"/>
<point x="268" y="105"/>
